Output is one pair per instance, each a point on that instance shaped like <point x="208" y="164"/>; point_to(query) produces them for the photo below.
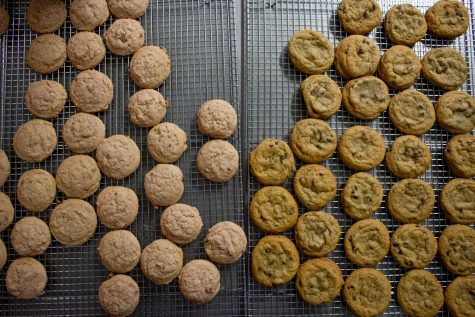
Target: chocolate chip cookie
<point x="26" y="278"/>
<point x="45" y="98"/>
<point x="217" y="118"/>
<point x="356" y="56"/>
<point x="405" y="24"/>
<point x="3" y="254"/>
<point x="46" y="54"/>
<point x="118" y="156"/>
<point x="457" y="200"/>
<point x="119" y="251"/>
<point x="181" y="223"/>
<point x="124" y="37"/>
<point x="119" y="295"/>
<point x="455" y="112"/>
<point x="161" y="261"/>
<point x="83" y="132"/>
<point x="448" y="19"/>
<point x="7" y="212"/>
<point x="166" y="142"/>
<point x="4" y="20"/>
<point x="147" y="108"/>
<point x="35" y="140"/>
<point x="150" y="67"/>
<point x="359" y="16"/>
<point x="199" y="281"/>
<point x="457" y="249"/>
<point x="36" y="190"/>
<point x="459" y="155"/>
<point x="413" y="246"/>
<point x="322" y="96"/>
<point x="91" y="91"/>
<point x="46" y="16"/>
<point x="315" y="186"/>
<point x="30" y="236"/>
<point x="445" y="68"/>
<point x="411" y="200"/>
<point x="361" y="196"/>
<point x="366" y="97"/>
<point x="399" y="67"/>
<point x="86" y="15"/>
<point x="78" y="176"/>
<point x="311" y="52"/>
<point x="225" y="242"/>
<point x="218" y="161"/>
<point x="4" y="168"/>
<point x="317" y="233"/>
<point x="117" y="207"/>
<point x="85" y="50"/>
<point x="408" y="157"/>
<point x="459" y="296"/>
<point x="164" y="185"/>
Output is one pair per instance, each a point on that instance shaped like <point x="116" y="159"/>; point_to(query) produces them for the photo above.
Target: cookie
<point x="455" y="112"/>
<point x="166" y="142"/>
<point x="86" y="15"/>
<point x="404" y="24"/>
<point x="315" y="186"/>
<point x="216" y="118"/>
<point x="456" y="249"/>
<point x="73" y="222"/>
<point x="150" y="67"/>
<point x="218" y="161"/>
<point x="124" y="37"/>
<point x="272" y="162"/>
<point x="225" y="242"/>
<point x="117" y="207"/>
<point x="7" y="212"/>
<point x="408" y="157"/>
<point x="275" y="260"/>
<point x="147" y="108"/>
<point x="46" y="54"/>
<point x="366" y="242"/>
<point x="361" y="196"/>
<point x="366" y="98"/>
<point x="419" y="293"/>
<point x="317" y="233"/>
<point x="273" y="209"/>
<point x="119" y="295"/>
<point x="4" y="167"/>
<point x="459" y="155"/>
<point x="411" y="200"/>
<point x="322" y="96"/>
<point x="45" y="98"/>
<point x="164" y="185"/>
<point x="3" y="254"/>
<point x="310" y="52"/>
<point x="319" y="281"/>
<point x="78" y="176"/>
<point x="359" y="16"/>
<point x="399" y="67"/>
<point x="199" y="281"/>
<point x="118" y="156"/>
<point x="91" y="91"/>
<point x="83" y="132"/>
<point x="30" y="236"/>
<point x="457" y="200"/>
<point x="161" y="261"/>
<point x="361" y="148"/>
<point x="445" y="67"/>
<point x="85" y="50"/>
<point x="181" y="223"/>
<point x="4" y="20"/>
<point x="459" y="296"/>
<point x="413" y="246"/>
<point x="119" y="251"/>
<point x="367" y="292"/>
<point x="35" y="140"/>
<point x="356" y="56"/>
<point x="448" y="19"/>
<point x="131" y="9"/>
<point x="36" y="190"/>
<point x="26" y="278"/>
<point x="312" y="140"/>
<point x="46" y="16"/>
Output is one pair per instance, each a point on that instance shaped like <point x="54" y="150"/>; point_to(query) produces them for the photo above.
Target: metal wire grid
<point x="274" y="104"/>
<point x="199" y="36"/>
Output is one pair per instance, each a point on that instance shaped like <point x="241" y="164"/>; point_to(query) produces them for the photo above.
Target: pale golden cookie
<point x="310" y="52"/>
<point x="315" y="186"/>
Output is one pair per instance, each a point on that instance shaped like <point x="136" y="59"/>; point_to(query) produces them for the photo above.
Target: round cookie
<point x="367" y="242"/>
<point x="361" y="196"/>
<point x="119" y="251"/>
<point x="455" y="112"/>
<point x="73" y="222"/>
<point x="399" y="67"/>
<point x="86" y="15"/>
<point x="4" y="20"/>
<point x="35" y="140"/>
<point x="272" y="162"/>
<point x="218" y="161"/>
<point x="217" y="118"/>
<point x="161" y="261"/>
<point x="3" y="254"/>
<point x="315" y="186"/>
<point x="322" y="96"/>
<point x="312" y="140"/>
<point x="367" y="292"/>
<point x="361" y="148"/>
<point x="46" y="16"/>
<point x="411" y="200"/>
<point x="445" y="67"/>
<point x="7" y="212"/>
<point x="275" y="260"/>
<point x="319" y="281"/>
<point x="457" y="200"/>
<point x="91" y="91"/>
<point x="413" y="246"/>
<point x="46" y="54"/>
<point x="4" y="167"/>
<point x="78" y="176"/>
<point x="225" y="242"/>
<point x="124" y="37"/>
<point x="83" y="132"/>
<point x="26" y="278"/>
<point x="317" y="233"/>
<point x="199" y="281"/>
<point x="166" y="142"/>
<point x="164" y="185"/>
<point x="150" y="67"/>
<point x="459" y="296"/>
<point x="408" y="157"/>
<point x="310" y="52"/>
<point x="356" y="56"/>
<point x="456" y="249"/>
<point x="404" y="24"/>
<point x="359" y="16"/>
<point x="131" y="9"/>
<point x="181" y="223"/>
<point x="147" y="108"/>
<point x="118" y="156"/>
<point x="117" y="207"/>
<point x="419" y="293"/>
<point x="45" y="98"/>
<point x="30" y="236"/>
<point x="36" y="190"/>
<point x="448" y="19"/>
<point x="119" y="295"/>
<point x="85" y="50"/>
<point x="459" y="155"/>
<point x="366" y="98"/>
